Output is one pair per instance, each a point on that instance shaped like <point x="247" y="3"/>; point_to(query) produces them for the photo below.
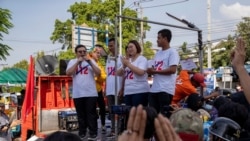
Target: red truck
<point x="52" y="94"/>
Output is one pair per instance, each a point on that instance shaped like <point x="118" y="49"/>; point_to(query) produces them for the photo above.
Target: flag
<point x="29" y="92"/>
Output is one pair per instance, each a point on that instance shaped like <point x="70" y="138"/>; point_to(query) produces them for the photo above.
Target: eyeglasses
<point x="81" y="51"/>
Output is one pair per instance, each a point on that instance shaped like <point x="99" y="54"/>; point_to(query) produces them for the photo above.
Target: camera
<point x="120" y="109"/>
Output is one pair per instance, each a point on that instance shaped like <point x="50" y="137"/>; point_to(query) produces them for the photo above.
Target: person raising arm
<point x="238" y="56"/>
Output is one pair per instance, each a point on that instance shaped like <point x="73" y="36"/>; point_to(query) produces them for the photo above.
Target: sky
<point x="34" y="22"/>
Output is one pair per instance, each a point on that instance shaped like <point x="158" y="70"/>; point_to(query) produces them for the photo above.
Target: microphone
<point x="80" y="64"/>
<point x="88" y="61"/>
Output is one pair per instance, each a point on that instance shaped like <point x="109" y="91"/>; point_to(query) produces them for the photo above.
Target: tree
<point x="24" y="64"/>
<point x="97" y="14"/>
<point x="243" y="30"/>
<point x="5" y="25"/>
<point x="185" y="52"/>
<point x="221" y="52"/>
<point x="147" y="50"/>
<point x="63" y="33"/>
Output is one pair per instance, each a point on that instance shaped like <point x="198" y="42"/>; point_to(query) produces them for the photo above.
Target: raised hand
<point x="136" y="125"/>
<point x="165" y="130"/>
<point x="238" y="55"/>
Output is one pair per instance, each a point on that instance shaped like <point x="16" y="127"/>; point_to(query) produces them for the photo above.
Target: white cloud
<point x="235" y="11"/>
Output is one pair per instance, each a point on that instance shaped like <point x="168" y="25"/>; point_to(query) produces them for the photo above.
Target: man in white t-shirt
<point x="83" y="69"/>
<point x="164" y="72"/>
<point x="110" y="81"/>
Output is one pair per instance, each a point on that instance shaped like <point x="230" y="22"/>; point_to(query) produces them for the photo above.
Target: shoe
<point x="82" y="136"/>
<point x="111" y="135"/>
<point x="103" y="129"/>
<point x="92" y="137"/>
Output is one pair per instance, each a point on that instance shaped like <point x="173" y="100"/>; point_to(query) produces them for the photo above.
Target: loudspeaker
<point x="46" y="65"/>
<point x="63" y="66"/>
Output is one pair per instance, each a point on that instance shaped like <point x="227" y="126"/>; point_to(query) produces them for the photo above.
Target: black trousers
<point x="159" y="100"/>
<point x="101" y="105"/>
<point x="86" y="113"/>
<point x="111" y="101"/>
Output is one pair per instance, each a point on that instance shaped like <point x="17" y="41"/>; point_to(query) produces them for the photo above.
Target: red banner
<point x="29" y="93"/>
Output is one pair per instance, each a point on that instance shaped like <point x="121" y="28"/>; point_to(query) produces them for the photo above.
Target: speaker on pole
<point x="46" y="65"/>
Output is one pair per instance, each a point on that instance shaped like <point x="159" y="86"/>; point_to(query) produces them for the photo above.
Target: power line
<point x="165" y="4"/>
<point x="28" y="41"/>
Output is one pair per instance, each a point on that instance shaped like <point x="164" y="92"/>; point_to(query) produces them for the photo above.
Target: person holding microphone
<point x="83" y="71"/>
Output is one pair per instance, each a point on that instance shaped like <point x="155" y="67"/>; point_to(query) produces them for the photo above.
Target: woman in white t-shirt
<point x="134" y="68"/>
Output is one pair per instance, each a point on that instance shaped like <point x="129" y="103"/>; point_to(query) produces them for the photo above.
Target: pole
<point x="200" y="56"/>
<point x="209" y="64"/>
<point x="120" y="28"/>
<point x="159" y="23"/>
<point x="116" y="79"/>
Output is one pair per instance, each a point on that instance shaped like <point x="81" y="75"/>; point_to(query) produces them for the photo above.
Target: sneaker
<point x="111" y="135"/>
<point x="92" y="137"/>
<point x="103" y="129"/>
<point x="82" y="136"/>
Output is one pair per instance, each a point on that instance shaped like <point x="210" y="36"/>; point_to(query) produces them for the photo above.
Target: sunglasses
<point x="81" y="51"/>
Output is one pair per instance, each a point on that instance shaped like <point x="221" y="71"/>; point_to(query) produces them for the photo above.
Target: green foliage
<point x="63" y="33"/>
<point x="243" y="29"/>
<point x="147" y="50"/>
<point x="5" y="68"/>
<point x="5" y="25"/>
<point x="24" y="64"/>
<point x="221" y="53"/>
<point x="184" y="52"/>
<point x="39" y="55"/>
<point x="222" y="57"/>
<point x="12" y="89"/>
<point x="100" y="15"/>
<point x="67" y="55"/>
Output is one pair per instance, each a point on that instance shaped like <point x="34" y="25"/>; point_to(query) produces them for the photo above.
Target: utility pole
<point x="120" y="28"/>
<point x="141" y="25"/>
<point x="209" y="64"/>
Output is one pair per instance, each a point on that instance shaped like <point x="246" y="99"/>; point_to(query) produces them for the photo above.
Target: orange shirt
<point x="183" y="87"/>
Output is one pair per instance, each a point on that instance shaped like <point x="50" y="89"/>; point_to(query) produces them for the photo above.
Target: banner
<point x="29" y="92"/>
<point x="210" y="80"/>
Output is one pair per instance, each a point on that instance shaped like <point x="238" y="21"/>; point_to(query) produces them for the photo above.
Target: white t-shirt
<point x="164" y="59"/>
<point x="134" y="83"/>
<point x="83" y="80"/>
<point x="110" y="79"/>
